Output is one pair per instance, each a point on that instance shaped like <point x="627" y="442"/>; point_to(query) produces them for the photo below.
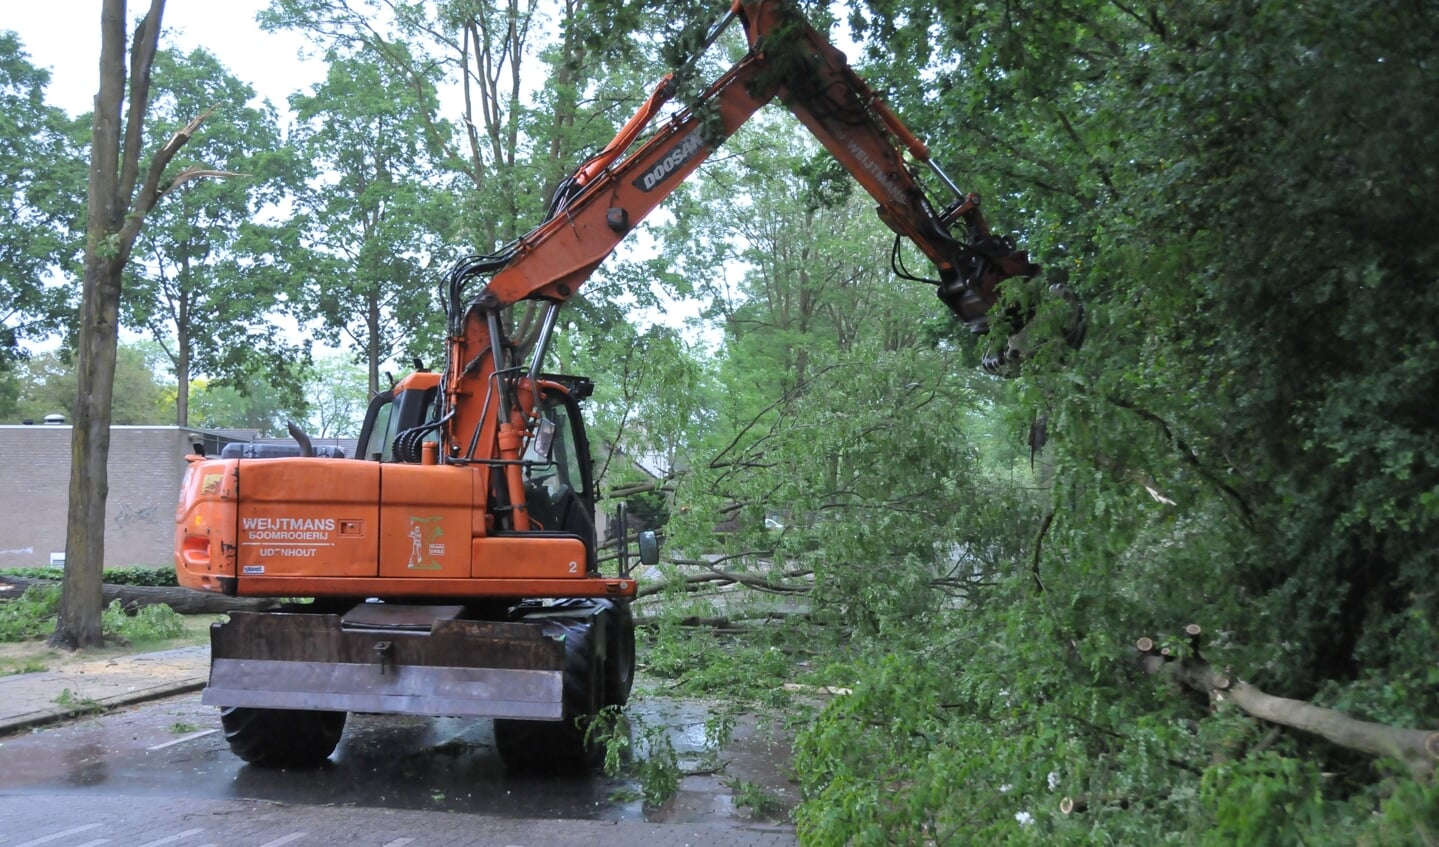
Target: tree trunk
<point x="109" y="236"/>
<point x="372" y="339"/>
<point x="182" y="364"/>
<point x="78" y="624"/>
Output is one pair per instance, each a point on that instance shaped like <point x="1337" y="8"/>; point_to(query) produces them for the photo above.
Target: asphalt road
<point x="161" y="774"/>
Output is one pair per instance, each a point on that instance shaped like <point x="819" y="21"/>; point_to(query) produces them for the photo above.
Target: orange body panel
<point x="308" y="517"/>
<point x="425" y="520"/>
<point x="283" y="586"/>
<point x="205" y="523"/>
<point x="516" y="557"/>
<point x="341" y="527"/>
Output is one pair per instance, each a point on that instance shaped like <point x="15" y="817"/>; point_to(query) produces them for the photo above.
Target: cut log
<point x="183" y="600"/>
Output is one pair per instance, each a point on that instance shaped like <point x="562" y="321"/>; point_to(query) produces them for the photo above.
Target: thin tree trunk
<point x="182" y="364"/>
<point x="372" y="339"/>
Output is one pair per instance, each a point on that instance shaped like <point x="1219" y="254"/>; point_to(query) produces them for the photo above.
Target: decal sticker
<point x="425" y="544"/>
<point x="288" y="529"/>
<point x="254" y="570"/>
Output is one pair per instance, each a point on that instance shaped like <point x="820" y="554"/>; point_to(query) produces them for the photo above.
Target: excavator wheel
<point x="282" y="738"/>
<point x="558" y="747"/>
<point x="619" y="655"/>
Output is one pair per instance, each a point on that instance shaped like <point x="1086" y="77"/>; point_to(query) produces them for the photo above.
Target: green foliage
<point x="1265" y="799"/>
<point x="1227" y="449"/>
<point x="146" y="624"/>
<point x="368" y="238"/>
<point x="46" y="383"/>
<point x="697" y="662"/>
<point x="658" y="766"/>
<point x="755" y="798"/>
<point x="31" y="615"/>
<point x="157" y="576"/>
<point x="77" y="702"/>
<point x="42" y="204"/>
<point x="207" y="283"/>
<point x="651" y="758"/>
<point x="10" y="667"/>
<point x="339" y="395"/>
<point x="254" y="404"/>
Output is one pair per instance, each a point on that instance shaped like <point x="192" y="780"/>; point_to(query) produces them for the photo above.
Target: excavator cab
<point x="559" y="491"/>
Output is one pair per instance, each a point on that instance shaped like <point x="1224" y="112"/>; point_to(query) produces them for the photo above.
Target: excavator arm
<point x="612" y="192"/>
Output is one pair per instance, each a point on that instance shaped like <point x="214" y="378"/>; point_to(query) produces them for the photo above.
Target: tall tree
<point x="205" y="284"/>
<point x="370" y="225"/>
<point x="533" y="98"/>
<point x="120" y="197"/>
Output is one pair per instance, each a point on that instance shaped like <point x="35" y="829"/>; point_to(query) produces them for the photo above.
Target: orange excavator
<point x="451" y="567"/>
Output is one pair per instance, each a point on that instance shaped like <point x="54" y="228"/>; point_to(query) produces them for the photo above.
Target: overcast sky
<point x="63" y="36"/>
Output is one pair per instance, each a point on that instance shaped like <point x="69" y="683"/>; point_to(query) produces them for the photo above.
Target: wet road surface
<point x="171" y="755"/>
<point x="176" y="749"/>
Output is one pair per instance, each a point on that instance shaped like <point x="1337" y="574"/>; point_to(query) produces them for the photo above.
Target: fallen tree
<point x="132" y="597"/>
<point x="1418" y="749"/>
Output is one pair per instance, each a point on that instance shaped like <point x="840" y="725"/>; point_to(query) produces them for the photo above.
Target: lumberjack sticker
<point x="425" y="543"/>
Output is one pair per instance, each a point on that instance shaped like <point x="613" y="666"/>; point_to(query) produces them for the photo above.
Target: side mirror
<point x="649" y="548"/>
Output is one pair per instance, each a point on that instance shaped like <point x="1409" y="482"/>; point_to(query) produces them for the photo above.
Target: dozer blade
<point x="412" y="660"/>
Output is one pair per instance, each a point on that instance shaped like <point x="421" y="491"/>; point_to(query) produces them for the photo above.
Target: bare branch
<point x="150" y="191"/>
<point x="193" y="173"/>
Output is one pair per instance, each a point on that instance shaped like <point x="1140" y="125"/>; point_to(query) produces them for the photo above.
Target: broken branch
<point x="1418" y="749"/>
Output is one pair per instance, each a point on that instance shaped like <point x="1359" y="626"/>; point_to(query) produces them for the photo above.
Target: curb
<point x="11" y="724"/>
<point x="96" y="686"/>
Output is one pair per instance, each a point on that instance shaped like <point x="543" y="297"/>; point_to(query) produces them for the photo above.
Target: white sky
<point x="63" y="36"/>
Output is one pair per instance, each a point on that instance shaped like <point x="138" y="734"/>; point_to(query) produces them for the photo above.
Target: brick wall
<point x="146" y="464"/>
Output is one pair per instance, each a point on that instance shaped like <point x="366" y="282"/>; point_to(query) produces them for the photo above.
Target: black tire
<point x="619" y="655"/>
<point x="558" y="747"/>
<point x="282" y="738"/>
